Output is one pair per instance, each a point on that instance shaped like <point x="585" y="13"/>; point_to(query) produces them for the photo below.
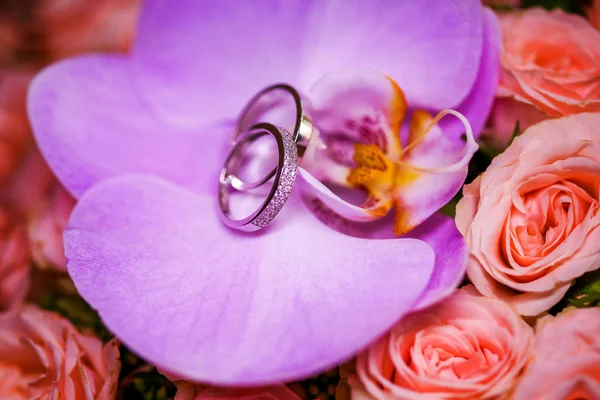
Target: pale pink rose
<point x="593" y="14"/>
<point x="195" y="391"/>
<point x="43" y="356"/>
<point x="47" y="223"/>
<point x="15" y="134"/>
<point x="551" y="60"/>
<point x="566" y="363"/>
<point x="74" y="26"/>
<point x="532" y="220"/>
<point x="503" y="119"/>
<point x="14" y="261"/>
<point x="466" y="347"/>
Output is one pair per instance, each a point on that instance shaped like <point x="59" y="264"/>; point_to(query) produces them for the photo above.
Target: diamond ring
<point x="284" y="176"/>
<point x="272" y="98"/>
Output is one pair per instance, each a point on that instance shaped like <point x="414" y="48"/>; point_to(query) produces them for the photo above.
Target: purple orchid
<point x="139" y="140"/>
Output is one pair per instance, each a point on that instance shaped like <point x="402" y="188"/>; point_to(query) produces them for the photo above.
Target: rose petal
<point x="90" y="124"/>
<point x="229" y="299"/>
<point x="200" y="61"/>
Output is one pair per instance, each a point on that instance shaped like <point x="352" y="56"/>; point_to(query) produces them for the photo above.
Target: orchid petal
<point x="199" y="61"/>
<point x="437" y="167"/>
<point x="439" y="231"/>
<point x="451" y="254"/>
<point x="478" y="104"/>
<point x="216" y="305"/>
<point x="90" y="124"/>
<point x="315" y="189"/>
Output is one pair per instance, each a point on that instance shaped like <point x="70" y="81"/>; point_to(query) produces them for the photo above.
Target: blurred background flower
<point x="47" y="221"/>
<point x="42" y="355"/>
<point x="551" y="60"/>
<point x="14" y="261"/>
<point x="593" y="13"/>
<point x="566" y="358"/>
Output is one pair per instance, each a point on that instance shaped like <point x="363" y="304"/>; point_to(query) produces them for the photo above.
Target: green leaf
<point x="146" y="383"/>
<point x="549" y="4"/>
<point x="76" y="310"/>
<point x="586" y="291"/>
<point x="450" y="208"/>
<point x="516" y="132"/>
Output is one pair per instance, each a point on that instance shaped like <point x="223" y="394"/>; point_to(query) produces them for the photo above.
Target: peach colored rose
<point x="43" y="356"/>
<point x="47" y="222"/>
<point x="15" y="133"/>
<point x="503" y="119"/>
<point x="551" y="60"/>
<point x="566" y="364"/>
<point x="195" y="391"/>
<point x="467" y="347"/>
<point x="14" y="261"/>
<point x="532" y="220"/>
<point x="74" y="26"/>
<point x="593" y="14"/>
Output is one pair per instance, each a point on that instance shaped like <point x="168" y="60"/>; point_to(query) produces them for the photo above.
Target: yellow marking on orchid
<point x="385" y="177"/>
<point x="381" y="178"/>
<point x="397" y="112"/>
<point x="420" y="124"/>
<point x="402" y="222"/>
<point x="371" y="156"/>
<point x="374" y="171"/>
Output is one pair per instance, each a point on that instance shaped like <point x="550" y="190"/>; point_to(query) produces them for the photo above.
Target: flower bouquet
<point x="298" y="199"/>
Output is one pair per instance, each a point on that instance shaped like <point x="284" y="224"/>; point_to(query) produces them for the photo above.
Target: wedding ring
<point x="264" y="100"/>
<point x="284" y="177"/>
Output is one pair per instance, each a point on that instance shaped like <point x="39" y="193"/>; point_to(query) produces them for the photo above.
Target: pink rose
<point x="503" y="119"/>
<point x="196" y="391"/>
<point x="15" y="133"/>
<point x="550" y="60"/>
<point x="566" y="364"/>
<point x="467" y="347"/>
<point x="532" y="220"/>
<point x="593" y="14"/>
<point x="14" y="261"/>
<point x="47" y="223"/>
<point x="42" y="356"/>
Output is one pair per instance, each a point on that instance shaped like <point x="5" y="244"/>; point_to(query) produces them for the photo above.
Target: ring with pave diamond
<point x="284" y="177"/>
<point x="303" y="126"/>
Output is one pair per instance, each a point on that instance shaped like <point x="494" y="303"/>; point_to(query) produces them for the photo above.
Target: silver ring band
<point x="284" y="177"/>
<point x="303" y="129"/>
